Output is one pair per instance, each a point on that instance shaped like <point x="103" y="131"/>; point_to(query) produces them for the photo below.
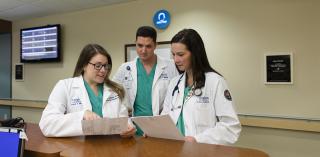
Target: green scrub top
<point x="95" y="100"/>
<point x="143" y="102"/>
<point x="180" y="122"/>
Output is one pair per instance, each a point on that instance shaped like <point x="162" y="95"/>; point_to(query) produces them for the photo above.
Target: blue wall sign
<point x="161" y="19"/>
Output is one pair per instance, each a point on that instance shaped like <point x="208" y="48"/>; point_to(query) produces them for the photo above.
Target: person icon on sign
<point x="162" y="18"/>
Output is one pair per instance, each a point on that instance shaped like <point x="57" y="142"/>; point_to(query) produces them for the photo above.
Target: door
<point x="5" y="73"/>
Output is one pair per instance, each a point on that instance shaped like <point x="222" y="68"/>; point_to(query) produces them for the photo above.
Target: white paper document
<point x="105" y="126"/>
<point x="158" y="126"/>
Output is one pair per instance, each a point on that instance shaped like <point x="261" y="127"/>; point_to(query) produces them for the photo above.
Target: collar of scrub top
<point x="193" y="91"/>
<point x="190" y="94"/>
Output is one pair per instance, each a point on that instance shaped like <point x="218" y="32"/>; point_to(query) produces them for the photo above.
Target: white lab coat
<point x="164" y="72"/>
<point x="210" y="117"/>
<point x="66" y="106"/>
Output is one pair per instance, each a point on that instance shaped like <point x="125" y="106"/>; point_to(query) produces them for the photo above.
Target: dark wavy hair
<point x="87" y="53"/>
<point x="147" y="31"/>
<point x="199" y="60"/>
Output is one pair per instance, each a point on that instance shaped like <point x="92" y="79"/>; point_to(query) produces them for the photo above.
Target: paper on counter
<point x="158" y="126"/>
<point x="105" y="126"/>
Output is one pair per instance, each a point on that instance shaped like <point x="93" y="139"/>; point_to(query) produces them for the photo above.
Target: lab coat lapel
<point x="134" y="77"/>
<point x="106" y="94"/>
<point x="181" y="90"/>
<point x="159" y="70"/>
<point x="79" y="83"/>
<point x="177" y="106"/>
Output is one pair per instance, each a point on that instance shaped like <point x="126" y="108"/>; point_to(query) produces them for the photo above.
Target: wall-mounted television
<point x="40" y="44"/>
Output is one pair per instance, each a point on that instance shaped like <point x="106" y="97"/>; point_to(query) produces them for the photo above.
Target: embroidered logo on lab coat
<point x="164" y="76"/>
<point x="112" y="97"/>
<point x="204" y="99"/>
<point x="76" y="101"/>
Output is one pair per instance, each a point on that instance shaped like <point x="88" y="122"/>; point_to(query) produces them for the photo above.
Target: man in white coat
<point x="147" y="77"/>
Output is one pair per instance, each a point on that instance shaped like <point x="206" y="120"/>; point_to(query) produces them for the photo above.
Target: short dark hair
<point x="147" y="31"/>
<point x="199" y="60"/>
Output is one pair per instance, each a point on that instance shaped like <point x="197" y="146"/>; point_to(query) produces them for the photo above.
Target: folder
<point x="160" y="126"/>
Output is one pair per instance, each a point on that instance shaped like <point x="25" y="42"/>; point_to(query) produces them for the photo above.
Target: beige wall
<point x="237" y="34"/>
<point x="281" y="143"/>
<point x="31" y="115"/>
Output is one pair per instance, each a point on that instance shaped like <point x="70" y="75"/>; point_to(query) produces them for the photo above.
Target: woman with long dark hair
<point x="199" y="101"/>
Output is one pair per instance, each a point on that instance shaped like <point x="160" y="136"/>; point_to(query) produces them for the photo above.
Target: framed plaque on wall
<point x="278" y="68"/>
<point x="19" y="72"/>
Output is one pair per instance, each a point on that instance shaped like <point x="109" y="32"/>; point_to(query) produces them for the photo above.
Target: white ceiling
<point x="12" y="10"/>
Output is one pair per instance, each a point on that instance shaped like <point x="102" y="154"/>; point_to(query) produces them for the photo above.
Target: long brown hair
<point x="87" y="53"/>
<point x="199" y="60"/>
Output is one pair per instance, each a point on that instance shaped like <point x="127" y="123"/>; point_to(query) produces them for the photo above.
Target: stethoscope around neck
<point x="196" y="92"/>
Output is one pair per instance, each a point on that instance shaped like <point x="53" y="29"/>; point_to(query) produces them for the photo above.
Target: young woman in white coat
<point x="199" y="101"/>
<point x="88" y="95"/>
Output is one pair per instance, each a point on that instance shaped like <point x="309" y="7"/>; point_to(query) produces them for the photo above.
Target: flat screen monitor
<point x="40" y="44"/>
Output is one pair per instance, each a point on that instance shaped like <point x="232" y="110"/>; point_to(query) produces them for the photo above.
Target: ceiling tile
<point x="23" y="9"/>
<point x="8" y="4"/>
